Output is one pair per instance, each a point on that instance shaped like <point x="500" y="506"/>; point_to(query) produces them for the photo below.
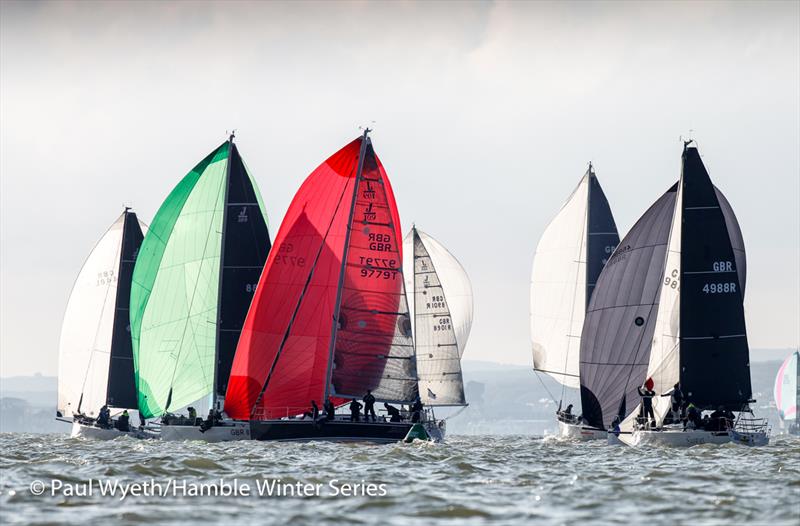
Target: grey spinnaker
<point x="620" y="321"/>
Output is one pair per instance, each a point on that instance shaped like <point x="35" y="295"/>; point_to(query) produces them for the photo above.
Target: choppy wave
<point x="468" y="480"/>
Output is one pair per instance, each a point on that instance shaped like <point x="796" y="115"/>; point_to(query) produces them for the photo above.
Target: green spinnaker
<point x="175" y="288"/>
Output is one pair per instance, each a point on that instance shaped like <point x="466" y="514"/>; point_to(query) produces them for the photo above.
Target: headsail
<point x="95" y="348"/>
<point x="569" y="258"/>
<point x="285" y="357"/>
<point x="787" y="388"/>
<point x="441" y="308"/>
<point x="186" y="303"/>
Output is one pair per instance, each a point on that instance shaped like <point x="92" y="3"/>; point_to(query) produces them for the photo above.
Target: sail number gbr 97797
<point x="378" y="268"/>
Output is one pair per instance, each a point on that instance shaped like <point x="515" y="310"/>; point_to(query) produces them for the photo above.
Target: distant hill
<point x="503" y="398"/>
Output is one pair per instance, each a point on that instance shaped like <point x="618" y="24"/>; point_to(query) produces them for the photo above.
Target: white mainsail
<point x="86" y="332"/>
<point x="558" y="290"/>
<point x="441" y="310"/>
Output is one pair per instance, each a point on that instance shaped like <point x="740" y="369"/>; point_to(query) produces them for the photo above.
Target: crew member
<point x="647" y="395"/>
<point x="124" y="421"/>
<point x="416" y="410"/>
<point x="330" y="410"/>
<point x="369" y="406"/>
<point x="314" y="410"/>
<point x="393" y="412"/>
<point x="355" y="410"/>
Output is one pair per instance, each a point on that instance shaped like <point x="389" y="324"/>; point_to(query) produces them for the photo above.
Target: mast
<point x="414" y="237"/>
<point x="226" y="183"/>
<point x="340" y="285"/>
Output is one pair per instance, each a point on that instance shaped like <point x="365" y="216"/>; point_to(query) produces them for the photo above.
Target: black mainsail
<point x="121" y="377"/>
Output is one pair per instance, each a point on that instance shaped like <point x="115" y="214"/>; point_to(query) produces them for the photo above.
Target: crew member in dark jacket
<point x="124" y="422"/>
<point x="355" y="410"/>
<point x="330" y="410"/>
<point x="647" y="395"/>
<point x="394" y="413"/>
<point x="416" y="410"/>
<point x="369" y="406"/>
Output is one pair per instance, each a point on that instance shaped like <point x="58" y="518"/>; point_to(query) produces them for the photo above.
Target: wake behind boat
<point x="569" y="258"/>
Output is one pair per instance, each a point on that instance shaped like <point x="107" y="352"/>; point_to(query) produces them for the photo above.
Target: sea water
<point x="53" y="479"/>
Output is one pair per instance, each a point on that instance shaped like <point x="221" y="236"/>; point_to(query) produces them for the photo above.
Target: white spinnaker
<point x="558" y="290"/>
<point x="440" y="374"/>
<point x="85" y="345"/>
<point x="664" y="365"/>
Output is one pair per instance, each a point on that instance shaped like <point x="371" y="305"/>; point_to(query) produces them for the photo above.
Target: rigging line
<point x="536" y="374"/>
<point x="299" y="303"/>
<point x="194" y="290"/>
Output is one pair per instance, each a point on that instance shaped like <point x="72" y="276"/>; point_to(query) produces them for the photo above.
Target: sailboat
<point x="441" y="313"/>
<point x="95" y="366"/>
<point x="330" y="320"/>
<point x="787" y="393"/>
<point x="668" y="314"/>
<point x="570" y="255"/>
<point x="196" y="274"/>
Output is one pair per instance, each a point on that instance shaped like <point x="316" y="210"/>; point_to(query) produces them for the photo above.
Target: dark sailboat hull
<point x="331" y="431"/>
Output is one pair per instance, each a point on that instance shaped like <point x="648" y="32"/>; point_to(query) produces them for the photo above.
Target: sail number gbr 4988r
<point x="721" y="287"/>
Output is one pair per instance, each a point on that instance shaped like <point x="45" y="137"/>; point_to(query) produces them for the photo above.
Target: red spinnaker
<point x="286" y="336"/>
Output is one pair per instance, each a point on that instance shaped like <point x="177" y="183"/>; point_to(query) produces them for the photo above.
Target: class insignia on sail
<point x="197" y="271"/>
<point x="569" y="257"/>
<point x="96" y="378"/>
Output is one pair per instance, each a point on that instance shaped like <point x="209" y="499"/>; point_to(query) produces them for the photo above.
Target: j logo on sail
<point x="369" y="214"/>
<point x="242" y="217"/>
<point x="369" y="193"/>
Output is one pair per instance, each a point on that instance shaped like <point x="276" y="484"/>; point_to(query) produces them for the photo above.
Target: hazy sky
<point x="485" y="117"/>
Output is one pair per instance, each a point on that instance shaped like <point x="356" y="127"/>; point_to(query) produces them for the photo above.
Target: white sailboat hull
<point x="225" y="432"/>
<point x="579" y="432"/>
<point x="678" y="437"/>
<point x="98" y="433"/>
